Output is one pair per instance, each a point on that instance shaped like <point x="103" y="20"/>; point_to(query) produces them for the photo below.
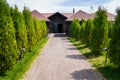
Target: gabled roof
<point x="47" y="14"/>
<point x="57" y="13"/>
<point x="65" y="14"/>
<point x="69" y="16"/>
<point x="38" y="15"/>
<point x="79" y="15"/>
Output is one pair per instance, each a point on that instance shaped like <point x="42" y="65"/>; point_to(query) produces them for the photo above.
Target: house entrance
<point x="57" y="20"/>
<point x="60" y="28"/>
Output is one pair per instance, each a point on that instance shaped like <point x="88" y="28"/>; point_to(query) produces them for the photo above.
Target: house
<point x="60" y="22"/>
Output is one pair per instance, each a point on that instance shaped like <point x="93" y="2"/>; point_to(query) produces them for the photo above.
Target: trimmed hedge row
<point x="114" y="45"/>
<point x="99" y="33"/>
<point x="17" y="30"/>
<point x="99" y="38"/>
<point x="93" y="33"/>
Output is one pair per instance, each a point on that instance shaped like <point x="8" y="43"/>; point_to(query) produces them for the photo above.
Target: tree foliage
<point x="17" y="30"/>
<point x="40" y="29"/>
<point x="8" y="45"/>
<point x="114" y="46"/>
<point x="99" y="38"/>
<point x="75" y="29"/>
<point x="43" y="28"/>
<point x="20" y="27"/>
<point x="29" y="22"/>
<point x="82" y="30"/>
<point x="87" y="32"/>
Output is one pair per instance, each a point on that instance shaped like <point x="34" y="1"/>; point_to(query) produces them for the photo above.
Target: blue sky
<point x="48" y="6"/>
<point x="84" y="2"/>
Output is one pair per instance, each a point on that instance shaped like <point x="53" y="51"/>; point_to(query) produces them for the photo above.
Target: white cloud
<point x="40" y="5"/>
<point x="55" y="5"/>
<point x="112" y="6"/>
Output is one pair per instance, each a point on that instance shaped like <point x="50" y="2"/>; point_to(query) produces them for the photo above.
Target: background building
<point x="60" y="22"/>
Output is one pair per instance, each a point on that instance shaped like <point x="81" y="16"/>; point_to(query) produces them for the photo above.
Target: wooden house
<point x="60" y="22"/>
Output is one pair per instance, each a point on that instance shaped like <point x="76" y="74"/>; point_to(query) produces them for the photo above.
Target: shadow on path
<point x="60" y="35"/>
<point x="86" y="74"/>
<point x="72" y="48"/>
<point x="76" y="56"/>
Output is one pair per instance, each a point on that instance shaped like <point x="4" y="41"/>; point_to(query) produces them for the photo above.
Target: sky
<point x="66" y="6"/>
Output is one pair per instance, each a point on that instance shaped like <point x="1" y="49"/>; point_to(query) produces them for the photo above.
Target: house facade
<point x="60" y="22"/>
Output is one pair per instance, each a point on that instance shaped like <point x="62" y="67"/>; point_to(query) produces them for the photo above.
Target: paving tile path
<point x="60" y="60"/>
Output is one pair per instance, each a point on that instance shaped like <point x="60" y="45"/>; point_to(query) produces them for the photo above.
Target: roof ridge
<point x="79" y="12"/>
<point x="56" y="13"/>
<point x="38" y="13"/>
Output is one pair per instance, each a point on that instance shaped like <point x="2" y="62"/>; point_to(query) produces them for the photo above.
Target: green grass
<point x="18" y="71"/>
<point x="109" y="71"/>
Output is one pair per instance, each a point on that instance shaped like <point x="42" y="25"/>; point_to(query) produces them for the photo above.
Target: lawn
<point x="109" y="71"/>
<point x="18" y="71"/>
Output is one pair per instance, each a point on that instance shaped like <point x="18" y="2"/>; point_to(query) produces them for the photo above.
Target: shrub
<point x="114" y="45"/>
<point x="99" y="38"/>
<point x="87" y="32"/>
<point x="81" y="34"/>
<point x="8" y="46"/>
<point x="20" y="27"/>
<point x="29" y="22"/>
<point x="75" y="29"/>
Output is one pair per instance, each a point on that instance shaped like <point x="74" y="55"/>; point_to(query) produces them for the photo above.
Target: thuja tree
<point x="37" y="29"/>
<point x="29" y="22"/>
<point x="20" y="27"/>
<point x="72" y="28"/>
<point x="114" y="46"/>
<point x="87" y="32"/>
<point x="110" y="29"/>
<point x="78" y="30"/>
<point x="40" y="29"/>
<point x="43" y="29"/>
<point x="75" y="28"/>
<point x="99" y="38"/>
<point x="81" y="34"/>
<point x="8" y="46"/>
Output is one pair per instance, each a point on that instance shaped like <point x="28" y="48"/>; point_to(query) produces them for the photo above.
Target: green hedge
<point x="8" y="44"/>
<point x="17" y="30"/>
<point x="75" y="29"/>
<point x="20" y="27"/>
<point x="30" y="28"/>
<point x="87" y="32"/>
<point x="114" y="46"/>
<point x="99" y="38"/>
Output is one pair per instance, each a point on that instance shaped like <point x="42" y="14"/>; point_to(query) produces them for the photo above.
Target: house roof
<point x="46" y="14"/>
<point x="111" y="17"/>
<point x="70" y="16"/>
<point x="57" y="13"/>
<point x="79" y="15"/>
<point x="65" y="14"/>
<point x="38" y="15"/>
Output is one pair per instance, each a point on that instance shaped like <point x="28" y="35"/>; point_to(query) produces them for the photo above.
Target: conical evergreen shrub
<point x="114" y="45"/>
<point x="8" y="45"/>
<point x="87" y="32"/>
<point x="20" y="27"/>
<point x="29" y="22"/>
<point x="99" y="38"/>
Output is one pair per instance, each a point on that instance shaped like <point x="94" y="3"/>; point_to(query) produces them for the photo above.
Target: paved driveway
<point x="60" y="60"/>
